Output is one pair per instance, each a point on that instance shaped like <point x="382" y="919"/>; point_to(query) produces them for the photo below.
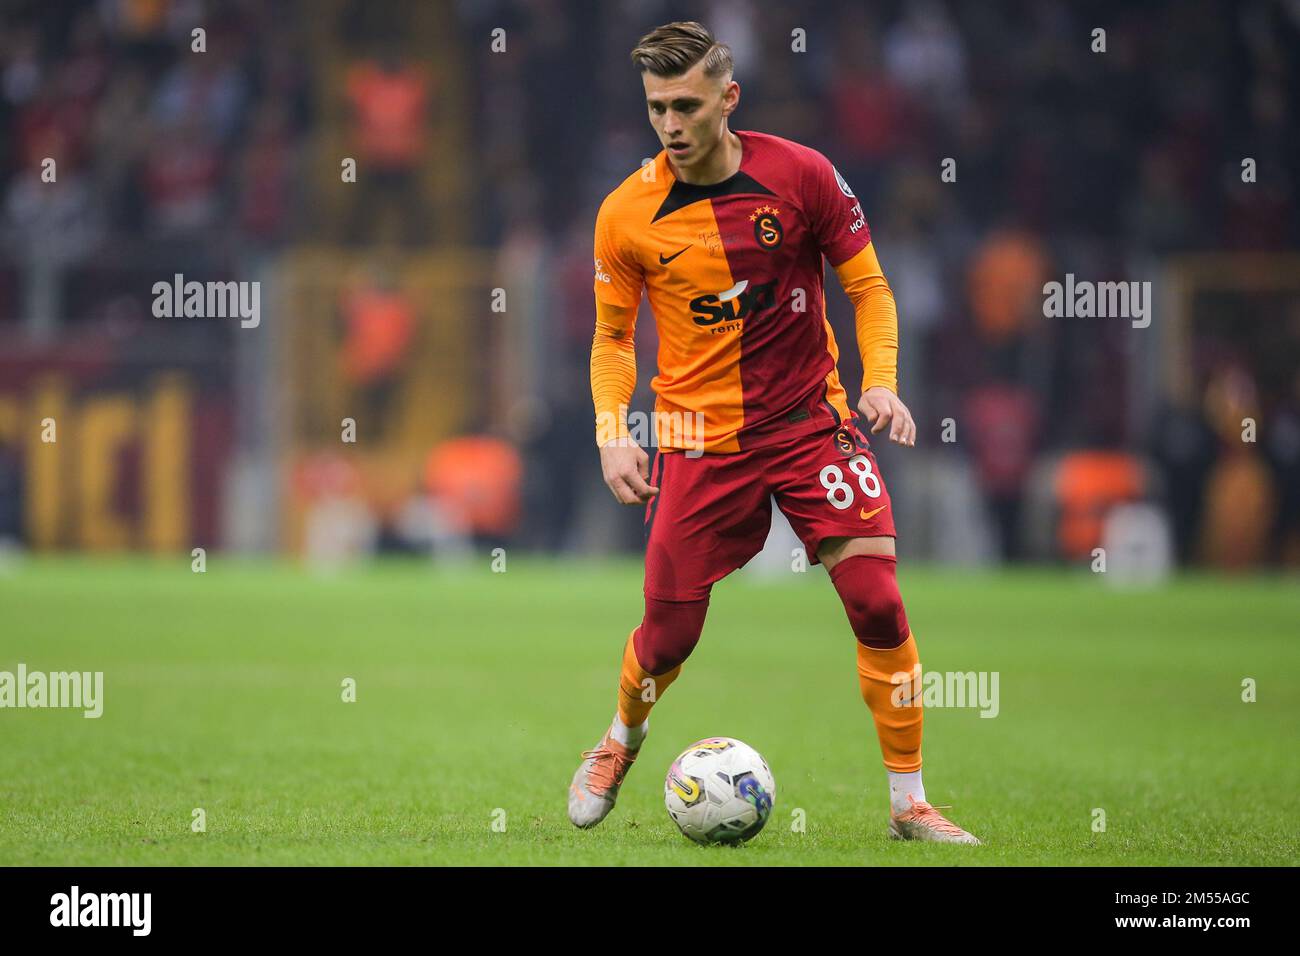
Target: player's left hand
<point x="883" y="409"/>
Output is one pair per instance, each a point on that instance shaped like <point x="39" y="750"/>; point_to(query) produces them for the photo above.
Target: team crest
<point x="850" y="442"/>
<point x="767" y="227"/>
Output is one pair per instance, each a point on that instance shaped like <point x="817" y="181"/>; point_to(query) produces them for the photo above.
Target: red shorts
<point x="713" y="512"/>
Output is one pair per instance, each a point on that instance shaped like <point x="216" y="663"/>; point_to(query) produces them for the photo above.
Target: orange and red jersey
<point x="390" y="108"/>
<point x="733" y="273"/>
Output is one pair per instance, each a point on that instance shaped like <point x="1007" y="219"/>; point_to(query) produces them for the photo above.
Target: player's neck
<point x="721" y="163"/>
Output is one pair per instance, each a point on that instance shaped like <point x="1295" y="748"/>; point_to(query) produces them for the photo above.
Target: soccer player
<point x="725" y="231"/>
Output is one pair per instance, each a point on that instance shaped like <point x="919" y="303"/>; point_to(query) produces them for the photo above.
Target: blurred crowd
<point x="163" y="158"/>
<point x="1067" y="158"/>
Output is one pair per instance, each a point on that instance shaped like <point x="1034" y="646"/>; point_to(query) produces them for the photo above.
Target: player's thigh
<point x="712" y="514"/>
<point x="831" y="489"/>
<point x="832" y="551"/>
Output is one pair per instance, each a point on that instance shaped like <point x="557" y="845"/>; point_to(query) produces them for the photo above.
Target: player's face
<point x="689" y="112"/>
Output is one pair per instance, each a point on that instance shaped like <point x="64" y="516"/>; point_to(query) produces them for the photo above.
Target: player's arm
<point x="845" y="239"/>
<point x="625" y="464"/>
<point x="876" y="318"/>
<point x="618" y="283"/>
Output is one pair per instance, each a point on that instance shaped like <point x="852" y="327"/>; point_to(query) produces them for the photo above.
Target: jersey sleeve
<point x="619" y="277"/>
<point x="613" y="369"/>
<point x="876" y="318"/>
<point x="835" y="213"/>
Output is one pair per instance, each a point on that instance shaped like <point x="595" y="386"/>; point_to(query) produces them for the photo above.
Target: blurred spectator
<point x="1002" y="421"/>
<point x="21" y="76"/>
<point x="267" y="176"/>
<point x="203" y="90"/>
<point x="925" y="56"/>
<point x="389" y="103"/>
<point x="47" y="228"/>
<point x="475" y="484"/>
<point x="1239" y="499"/>
<point x="1283" y="451"/>
<point x="1005" y="283"/>
<point x="379" y="322"/>
<point x="1185" y="449"/>
<point x="182" y="180"/>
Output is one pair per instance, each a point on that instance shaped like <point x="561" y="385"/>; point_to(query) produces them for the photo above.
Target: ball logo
<point x="767" y="227"/>
<point x="750" y="789"/>
<point x="683" y="785"/>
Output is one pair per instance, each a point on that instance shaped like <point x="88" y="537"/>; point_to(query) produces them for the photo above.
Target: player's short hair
<point x="672" y="49"/>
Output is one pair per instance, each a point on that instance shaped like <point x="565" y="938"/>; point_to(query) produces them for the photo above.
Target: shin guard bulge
<point x="889" y="668"/>
<point x="654" y="653"/>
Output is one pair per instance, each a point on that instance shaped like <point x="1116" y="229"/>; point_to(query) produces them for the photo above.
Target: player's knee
<point x="669" y="632"/>
<point x="869" y="589"/>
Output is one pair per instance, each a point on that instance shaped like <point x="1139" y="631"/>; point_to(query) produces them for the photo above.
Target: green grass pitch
<point x="476" y="692"/>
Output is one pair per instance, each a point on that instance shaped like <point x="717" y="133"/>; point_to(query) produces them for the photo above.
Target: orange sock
<point x="638" y="689"/>
<point x="889" y="678"/>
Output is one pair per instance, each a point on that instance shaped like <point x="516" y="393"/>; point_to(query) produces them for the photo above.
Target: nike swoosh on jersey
<point x="864" y="514"/>
<point x="664" y="262"/>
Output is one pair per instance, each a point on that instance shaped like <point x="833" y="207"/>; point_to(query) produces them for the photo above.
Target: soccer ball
<point x="719" y="791"/>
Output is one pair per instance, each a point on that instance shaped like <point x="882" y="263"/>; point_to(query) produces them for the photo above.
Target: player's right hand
<point x="626" y="467"/>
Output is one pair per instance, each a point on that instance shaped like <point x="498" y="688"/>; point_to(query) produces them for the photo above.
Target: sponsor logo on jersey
<point x="738" y="302"/>
<point x="859" y="219"/>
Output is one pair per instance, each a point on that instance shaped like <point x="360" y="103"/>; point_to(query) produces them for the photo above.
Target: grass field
<point x="477" y="691"/>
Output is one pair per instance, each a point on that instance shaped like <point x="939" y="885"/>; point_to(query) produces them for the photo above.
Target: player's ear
<point x="730" y="98"/>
